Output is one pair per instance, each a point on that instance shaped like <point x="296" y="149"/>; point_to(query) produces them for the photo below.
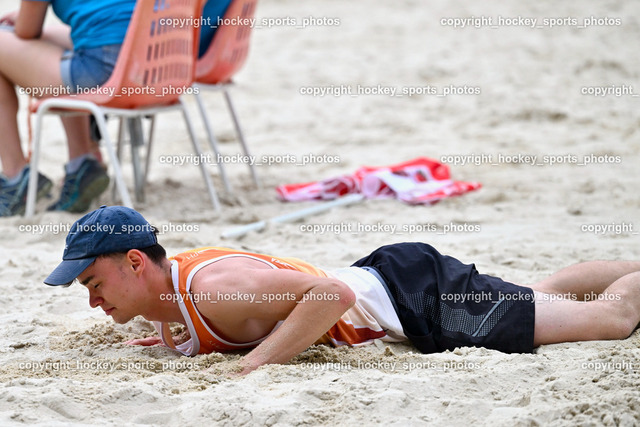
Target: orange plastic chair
<point x="224" y="57"/>
<point x="157" y="60"/>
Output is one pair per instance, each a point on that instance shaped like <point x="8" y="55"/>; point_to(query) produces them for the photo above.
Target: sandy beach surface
<point x="543" y="116"/>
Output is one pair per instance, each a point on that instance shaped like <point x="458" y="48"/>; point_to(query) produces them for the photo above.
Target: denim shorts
<point x="84" y="68"/>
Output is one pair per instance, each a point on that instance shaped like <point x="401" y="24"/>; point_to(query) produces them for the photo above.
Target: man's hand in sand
<point x="151" y="341"/>
<point x="147" y="342"/>
<point x="9" y="19"/>
<point x="244" y="367"/>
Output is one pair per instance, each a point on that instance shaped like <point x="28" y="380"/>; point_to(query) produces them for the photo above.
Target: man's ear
<point x="136" y="260"/>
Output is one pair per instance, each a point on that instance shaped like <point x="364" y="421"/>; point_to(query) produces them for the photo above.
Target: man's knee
<point x="622" y="328"/>
<point x="624" y="317"/>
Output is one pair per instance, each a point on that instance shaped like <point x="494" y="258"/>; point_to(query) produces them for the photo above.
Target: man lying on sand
<point x="232" y="300"/>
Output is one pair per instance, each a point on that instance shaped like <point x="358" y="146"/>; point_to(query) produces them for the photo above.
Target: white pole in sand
<point x="292" y="216"/>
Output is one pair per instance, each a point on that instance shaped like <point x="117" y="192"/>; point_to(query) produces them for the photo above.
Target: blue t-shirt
<point x="213" y="10"/>
<point x="97" y="23"/>
<point x="94" y="23"/>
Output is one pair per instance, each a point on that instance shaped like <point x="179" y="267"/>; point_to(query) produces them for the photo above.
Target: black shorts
<point x="443" y="303"/>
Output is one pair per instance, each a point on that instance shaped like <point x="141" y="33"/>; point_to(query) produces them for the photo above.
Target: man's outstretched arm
<point x="306" y="323"/>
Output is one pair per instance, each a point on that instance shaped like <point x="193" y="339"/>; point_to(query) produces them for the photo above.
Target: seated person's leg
<point x="27" y="63"/>
<point x="59" y="35"/>
<point x="85" y="176"/>
<point x="30" y="63"/>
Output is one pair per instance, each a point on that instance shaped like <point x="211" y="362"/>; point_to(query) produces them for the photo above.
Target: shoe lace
<point x="67" y="192"/>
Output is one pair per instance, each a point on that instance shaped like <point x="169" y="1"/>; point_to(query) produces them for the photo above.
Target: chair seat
<point x="66" y="104"/>
<point x="109" y="101"/>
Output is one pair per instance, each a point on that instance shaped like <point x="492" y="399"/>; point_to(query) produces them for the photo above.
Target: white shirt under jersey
<point x="372" y="298"/>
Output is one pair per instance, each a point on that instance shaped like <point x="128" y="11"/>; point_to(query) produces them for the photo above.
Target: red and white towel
<point x="418" y="181"/>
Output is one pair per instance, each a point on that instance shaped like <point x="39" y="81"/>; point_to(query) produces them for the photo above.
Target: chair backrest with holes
<point x="157" y="60"/>
<point x="230" y="47"/>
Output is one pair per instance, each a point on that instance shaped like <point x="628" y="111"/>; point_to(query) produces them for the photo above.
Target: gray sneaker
<point x="13" y="198"/>
<point x="82" y="187"/>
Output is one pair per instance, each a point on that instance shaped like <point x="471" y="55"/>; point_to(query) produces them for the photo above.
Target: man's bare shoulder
<point x="234" y="272"/>
<point x="217" y="282"/>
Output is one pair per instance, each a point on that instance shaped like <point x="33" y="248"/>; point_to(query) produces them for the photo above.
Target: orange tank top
<point x="353" y="328"/>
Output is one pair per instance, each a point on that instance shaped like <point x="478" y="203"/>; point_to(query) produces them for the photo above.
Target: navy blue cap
<point x="106" y="230"/>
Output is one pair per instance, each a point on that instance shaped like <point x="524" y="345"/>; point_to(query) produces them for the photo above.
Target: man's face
<point x="112" y="286"/>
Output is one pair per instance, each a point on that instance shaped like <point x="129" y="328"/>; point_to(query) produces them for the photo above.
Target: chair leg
<point x="213" y="142"/>
<point x="121" y="135"/>
<point x="147" y="163"/>
<point x="245" y="148"/>
<point x="203" y="168"/>
<point x="137" y="140"/>
<point x="33" y="172"/>
<point x="113" y="157"/>
<point x="121" y="132"/>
